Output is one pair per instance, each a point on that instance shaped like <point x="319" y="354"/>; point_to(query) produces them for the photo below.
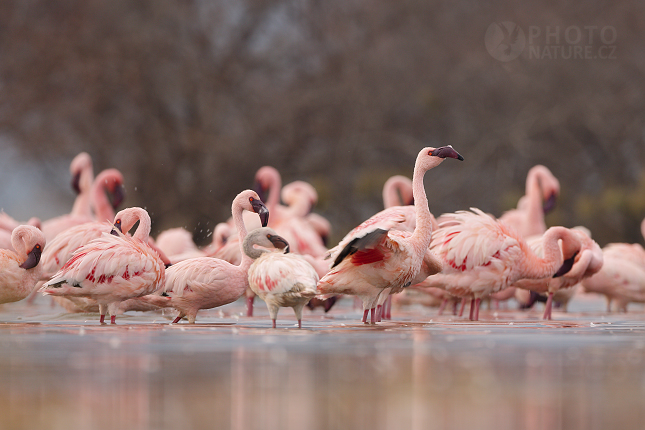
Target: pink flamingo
<point x="108" y="182"/>
<point x="19" y="269"/>
<point x="82" y="179"/>
<point x="205" y="283"/>
<point x="482" y="255"/>
<point x="542" y="190"/>
<point x="620" y="279"/>
<point x="280" y="279"/>
<point x="397" y="191"/>
<point x="374" y="257"/>
<point x="583" y="264"/>
<point x="112" y="268"/>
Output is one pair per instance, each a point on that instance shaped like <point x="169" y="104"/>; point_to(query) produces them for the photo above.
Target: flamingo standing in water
<point x="374" y="256"/>
<point x="205" y="283"/>
<point x="112" y="268"/>
<point x="583" y="264"/>
<point x="280" y="279"/>
<point x="542" y="190"/>
<point x="19" y="269"/>
<point x="482" y="255"/>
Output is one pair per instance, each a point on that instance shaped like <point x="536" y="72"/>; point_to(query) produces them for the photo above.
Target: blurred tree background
<point x="188" y="98"/>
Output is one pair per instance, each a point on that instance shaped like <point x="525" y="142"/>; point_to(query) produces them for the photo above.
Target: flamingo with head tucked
<point x="280" y="279"/>
<point x="205" y="283"/>
<point x="482" y="255"/>
<point x="112" y="268"/>
<point x="542" y="190"/>
<point x="107" y="183"/>
<point x="19" y="269"/>
<point x="374" y="256"/>
<point x="583" y="264"/>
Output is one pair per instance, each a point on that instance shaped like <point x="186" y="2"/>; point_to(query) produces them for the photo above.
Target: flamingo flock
<point x="275" y="248"/>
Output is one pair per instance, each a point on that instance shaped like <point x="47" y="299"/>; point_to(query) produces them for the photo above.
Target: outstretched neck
<point x="422" y="234"/>
<point x="238" y="221"/>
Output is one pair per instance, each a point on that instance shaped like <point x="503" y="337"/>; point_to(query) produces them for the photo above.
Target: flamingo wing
<point x="62" y="247"/>
<point x="279" y="273"/>
<point x="196" y="275"/>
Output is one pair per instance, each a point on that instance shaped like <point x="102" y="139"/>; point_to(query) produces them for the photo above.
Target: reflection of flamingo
<point x="19" y="269"/>
<point x="112" y="268"/>
<point x="373" y="256"/>
<point x="542" y="189"/>
<point x="585" y="263"/>
<point x="280" y="279"/>
<point x="205" y="282"/>
<point x="482" y="255"/>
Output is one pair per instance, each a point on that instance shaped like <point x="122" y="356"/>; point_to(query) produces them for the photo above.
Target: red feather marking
<point x="270" y="283"/>
<point x="74" y="259"/>
<point x="138" y="273"/>
<point x="126" y="274"/>
<point x="101" y="279"/>
<point x="90" y="276"/>
<point x="462" y="267"/>
<point x="367" y="257"/>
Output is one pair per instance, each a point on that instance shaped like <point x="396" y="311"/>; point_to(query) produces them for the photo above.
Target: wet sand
<point x="585" y="369"/>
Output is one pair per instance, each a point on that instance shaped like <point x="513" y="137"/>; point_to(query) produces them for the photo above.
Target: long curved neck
<point x="102" y="206"/>
<point x="275" y="186"/>
<point x="82" y="206"/>
<point x="251" y="251"/>
<point x="535" y="267"/>
<point x="533" y="193"/>
<point x="145" y="224"/>
<point x="238" y="221"/>
<point x="422" y="234"/>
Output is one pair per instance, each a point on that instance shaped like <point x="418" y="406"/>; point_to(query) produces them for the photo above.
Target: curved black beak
<point x="447" y="152"/>
<point x="117" y="196"/>
<point x="261" y="210"/>
<point x="279" y="242"/>
<point x="76" y="180"/>
<point x="566" y="266"/>
<point x="117" y="226"/>
<point x="33" y="258"/>
<point x="549" y="204"/>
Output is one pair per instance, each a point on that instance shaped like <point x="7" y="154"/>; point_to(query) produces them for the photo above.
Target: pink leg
<point x="477" y="303"/>
<point x="273" y="323"/>
<point x="102" y="320"/>
<point x="379" y="313"/>
<point x="365" y="316"/>
<point x="388" y="312"/>
<point x="249" y="306"/>
<point x="176" y="320"/>
<point x="113" y="319"/>
<point x="547" y="309"/>
<point x="454" y="307"/>
<point x="463" y="305"/>
<point x="443" y="306"/>
<point x="472" y="309"/>
<point x="373" y="316"/>
<point x="299" y="323"/>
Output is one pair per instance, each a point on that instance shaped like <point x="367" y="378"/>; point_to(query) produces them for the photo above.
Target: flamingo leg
<point x="102" y="320"/>
<point x="443" y="306"/>
<point x="112" y="319"/>
<point x="273" y="323"/>
<point x="379" y="313"/>
<point x="388" y="312"/>
<point x="176" y="320"/>
<point x="478" y="302"/>
<point x="463" y="305"/>
<point x="365" y="316"/>
<point x="547" y="309"/>
<point x="249" y="306"/>
<point x="472" y="309"/>
<point x="373" y="316"/>
<point x="454" y="307"/>
<point x="299" y="323"/>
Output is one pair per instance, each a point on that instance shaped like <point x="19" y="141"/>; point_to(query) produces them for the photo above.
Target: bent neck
<point x="102" y="207"/>
<point x="535" y="267"/>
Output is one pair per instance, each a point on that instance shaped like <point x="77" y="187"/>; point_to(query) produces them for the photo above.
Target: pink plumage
<point x="19" y="269"/>
<point x="112" y="268"/>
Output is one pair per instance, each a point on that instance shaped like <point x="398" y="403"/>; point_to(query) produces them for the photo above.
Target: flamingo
<point x="280" y="279"/>
<point x="585" y="263"/>
<point x="108" y="182"/>
<point x="397" y="191"/>
<point x="205" y="282"/>
<point x="482" y="255"/>
<point x="112" y="268"/>
<point x="374" y="256"/>
<point x="620" y="279"/>
<point x="542" y="190"/>
<point x="82" y="180"/>
<point x="19" y="269"/>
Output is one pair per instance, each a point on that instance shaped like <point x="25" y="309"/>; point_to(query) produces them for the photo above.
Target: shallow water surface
<point x="584" y="369"/>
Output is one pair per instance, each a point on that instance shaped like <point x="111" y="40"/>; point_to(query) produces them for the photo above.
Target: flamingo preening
<point x="19" y="269"/>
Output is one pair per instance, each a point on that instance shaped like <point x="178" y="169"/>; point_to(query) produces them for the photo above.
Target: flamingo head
<point x="82" y="162"/>
<point x="445" y="152"/>
<point x="265" y="178"/>
<point x="566" y="266"/>
<point x="127" y="218"/>
<point x="76" y="181"/>
<point x="33" y="257"/>
<point x="117" y="194"/>
<point x="260" y="209"/>
<point x="250" y="201"/>
<point x="278" y="242"/>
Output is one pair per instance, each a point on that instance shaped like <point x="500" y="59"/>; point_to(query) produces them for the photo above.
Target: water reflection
<point x="238" y="374"/>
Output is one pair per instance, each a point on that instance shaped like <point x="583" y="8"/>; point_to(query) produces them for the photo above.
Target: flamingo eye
<point x="37" y="247"/>
<point x="251" y="199"/>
